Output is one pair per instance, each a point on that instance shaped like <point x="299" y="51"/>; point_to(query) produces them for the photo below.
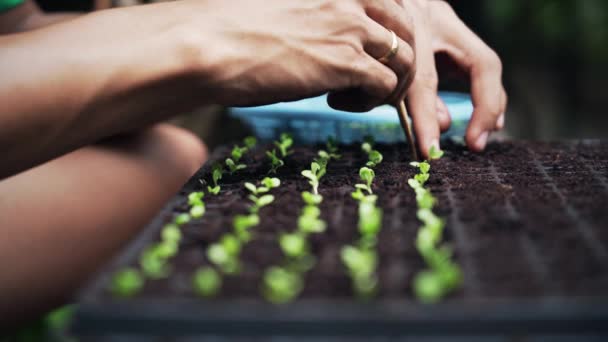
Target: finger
<point x="500" y="123"/>
<point x="484" y="68"/>
<point x="390" y="14"/>
<point x="422" y="94"/>
<point x="443" y="115"/>
<point x="372" y="82"/>
<point x="378" y="43"/>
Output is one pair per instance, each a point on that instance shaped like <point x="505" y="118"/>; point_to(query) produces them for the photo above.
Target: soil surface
<point x="525" y="219"/>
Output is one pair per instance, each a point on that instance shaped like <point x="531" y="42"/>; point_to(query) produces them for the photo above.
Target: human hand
<point x="264" y="51"/>
<point x="439" y="30"/>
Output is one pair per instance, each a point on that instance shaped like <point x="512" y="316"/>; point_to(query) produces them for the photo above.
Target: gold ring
<point x="393" y="51"/>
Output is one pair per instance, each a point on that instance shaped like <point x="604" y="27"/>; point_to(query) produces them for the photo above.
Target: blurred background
<point x="555" y="55"/>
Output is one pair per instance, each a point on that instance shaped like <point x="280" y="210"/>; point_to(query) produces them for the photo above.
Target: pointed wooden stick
<point x="407" y="128"/>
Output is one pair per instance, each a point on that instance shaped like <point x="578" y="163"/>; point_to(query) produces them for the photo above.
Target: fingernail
<point x="500" y="123"/>
<point x="481" y="141"/>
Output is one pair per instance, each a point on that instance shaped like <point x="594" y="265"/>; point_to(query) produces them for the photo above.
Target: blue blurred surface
<point x="312" y="120"/>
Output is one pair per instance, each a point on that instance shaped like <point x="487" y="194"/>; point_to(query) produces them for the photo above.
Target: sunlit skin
<point x="85" y="164"/>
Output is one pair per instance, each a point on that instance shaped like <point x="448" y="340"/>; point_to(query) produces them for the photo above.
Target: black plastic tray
<point x="100" y="315"/>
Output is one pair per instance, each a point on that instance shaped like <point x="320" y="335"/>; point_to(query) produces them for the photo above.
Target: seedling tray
<point x="527" y="221"/>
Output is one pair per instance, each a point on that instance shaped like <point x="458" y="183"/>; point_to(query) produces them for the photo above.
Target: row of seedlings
<point x="224" y="254"/>
<point x="154" y="259"/>
<point x="361" y="259"/>
<point x="443" y="274"/>
<point x="277" y="158"/>
<point x="282" y="284"/>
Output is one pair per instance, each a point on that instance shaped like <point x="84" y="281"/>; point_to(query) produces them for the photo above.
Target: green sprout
<point x="435" y="153"/>
<point x="264" y="200"/>
<point x="366" y="147"/>
<point x="195" y="198"/>
<point x="275" y="161"/>
<point x="250" y="142"/>
<point x="197" y="211"/>
<point x="367" y="175"/>
<point x="281" y="285"/>
<point x="444" y="275"/>
<point x="317" y="170"/>
<point x="259" y="202"/>
<point x="311" y="199"/>
<point x="374" y="157"/>
<point x="171" y="234"/>
<point x="224" y="254"/>
<point x="127" y="282"/>
<point x="370" y="220"/>
<point x="242" y="224"/>
<point x="309" y="221"/>
<point x="181" y="219"/>
<point x="234" y="166"/>
<point x="154" y="259"/>
<point x="361" y="264"/>
<point x="294" y="245"/>
<point x="284" y="143"/>
<point x="216" y="174"/>
<point x="207" y="281"/>
<point x="332" y="148"/>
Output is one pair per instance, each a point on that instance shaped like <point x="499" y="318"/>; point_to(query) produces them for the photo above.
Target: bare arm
<point x="77" y="82"/>
<point x="28" y="16"/>
<point x="74" y="83"/>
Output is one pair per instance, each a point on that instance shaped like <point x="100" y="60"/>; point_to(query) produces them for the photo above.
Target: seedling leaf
<point x="435" y="153"/>
<point x="207" y="282"/>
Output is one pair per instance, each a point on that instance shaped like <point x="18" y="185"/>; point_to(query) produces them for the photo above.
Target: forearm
<point x="75" y="83"/>
<point x="28" y="16"/>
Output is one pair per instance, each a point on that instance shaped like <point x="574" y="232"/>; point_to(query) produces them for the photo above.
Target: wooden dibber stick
<point x="407" y="128"/>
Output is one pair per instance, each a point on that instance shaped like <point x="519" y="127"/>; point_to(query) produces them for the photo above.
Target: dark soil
<point x="525" y="220"/>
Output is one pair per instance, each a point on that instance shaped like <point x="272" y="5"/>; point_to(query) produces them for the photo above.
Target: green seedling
<point x="171" y="234"/>
<point x="264" y="200"/>
<point x="237" y="153"/>
<point x="309" y="221"/>
<point x="359" y="261"/>
<point x="127" y="282"/>
<point x="153" y="260"/>
<point x="317" y="170"/>
<point x="259" y="202"/>
<point x="424" y="167"/>
<point x="207" y="282"/>
<point x="197" y="206"/>
<point x="370" y="220"/>
<point x="444" y="275"/>
<point x="267" y="184"/>
<point x="250" y="142"/>
<point x="181" y="219"/>
<point x="216" y="174"/>
<point x="374" y="157"/>
<point x="224" y="254"/>
<point x="435" y="153"/>
<point x="197" y="211"/>
<point x="284" y="143"/>
<point x="281" y="285"/>
<point x="332" y="148"/>
<point x="195" y="198"/>
<point x="361" y="264"/>
<point x="311" y="199"/>
<point x="242" y="224"/>
<point x="234" y="166"/>
<point x="275" y="161"/>
<point x="293" y="245"/>
<point x="367" y="175"/>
